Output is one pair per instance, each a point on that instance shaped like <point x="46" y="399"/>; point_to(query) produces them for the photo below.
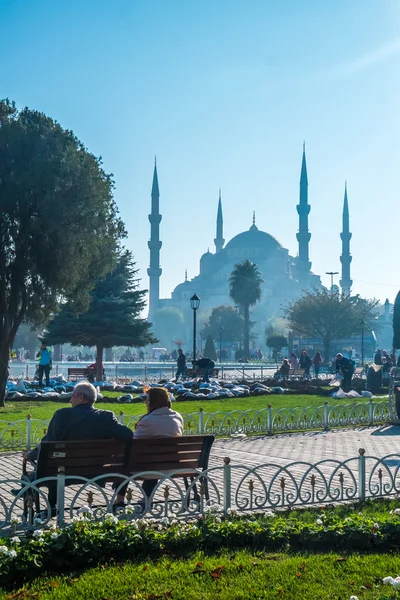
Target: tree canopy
<point x="113" y="315"/>
<point x="276" y="341"/>
<point x="231" y="321"/>
<point x="59" y="224"/>
<point x="245" y="290"/>
<point x="396" y="323"/>
<point x="329" y="316"/>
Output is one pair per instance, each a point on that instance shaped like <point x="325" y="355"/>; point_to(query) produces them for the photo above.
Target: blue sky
<point x="224" y="93"/>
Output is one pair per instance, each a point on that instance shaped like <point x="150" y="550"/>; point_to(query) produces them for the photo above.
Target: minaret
<point x="219" y="240"/>
<point x="346" y="258"/>
<point x="303" y="236"/>
<point x="154" y="271"/>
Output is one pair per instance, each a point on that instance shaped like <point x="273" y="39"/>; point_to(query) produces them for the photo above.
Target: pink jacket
<point x="162" y="422"/>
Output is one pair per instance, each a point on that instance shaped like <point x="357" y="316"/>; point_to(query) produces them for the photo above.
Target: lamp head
<point x="194" y="302"/>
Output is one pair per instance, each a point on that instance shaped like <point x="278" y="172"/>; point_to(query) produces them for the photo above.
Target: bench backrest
<point x="170" y="453"/>
<point x="297" y="371"/>
<point x="86" y="458"/>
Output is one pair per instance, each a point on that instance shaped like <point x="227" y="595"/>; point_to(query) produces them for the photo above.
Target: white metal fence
<point x="225" y="488"/>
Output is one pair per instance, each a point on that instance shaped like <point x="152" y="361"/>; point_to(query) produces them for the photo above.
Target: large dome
<point x="254" y="238"/>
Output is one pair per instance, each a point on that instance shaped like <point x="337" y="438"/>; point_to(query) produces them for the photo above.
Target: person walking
<point x="181" y="364"/>
<point x="45" y="364"/>
<point x="378" y="357"/>
<point x="317" y="362"/>
<point x="346" y="367"/>
<point x="305" y="363"/>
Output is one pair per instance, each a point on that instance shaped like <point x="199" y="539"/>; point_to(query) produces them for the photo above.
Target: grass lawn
<point x="45" y="410"/>
<point x="229" y="576"/>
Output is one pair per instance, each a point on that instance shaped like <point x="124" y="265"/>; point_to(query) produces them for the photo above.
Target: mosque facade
<point x="285" y="276"/>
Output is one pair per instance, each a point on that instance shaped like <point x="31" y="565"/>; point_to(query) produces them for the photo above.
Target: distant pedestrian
<point x="346" y="367"/>
<point x="45" y="364"/>
<point x="181" y="364"/>
<point x="317" y="362"/>
<point x="378" y="357"/>
<point x="305" y="362"/>
<point x="294" y="361"/>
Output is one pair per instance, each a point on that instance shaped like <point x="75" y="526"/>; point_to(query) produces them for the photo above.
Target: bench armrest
<point x="25" y="461"/>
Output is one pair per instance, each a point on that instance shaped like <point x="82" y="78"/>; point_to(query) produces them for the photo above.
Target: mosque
<point x="285" y="276"/>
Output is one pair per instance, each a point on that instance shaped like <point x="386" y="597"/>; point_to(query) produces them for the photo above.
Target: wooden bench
<point x="78" y="373"/>
<point x="90" y="458"/>
<point x="296" y="373"/>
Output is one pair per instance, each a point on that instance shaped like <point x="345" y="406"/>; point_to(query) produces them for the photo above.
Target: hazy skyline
<point x="224" y="94"/>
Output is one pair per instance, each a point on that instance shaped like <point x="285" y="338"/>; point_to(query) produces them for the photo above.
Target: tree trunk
<point x="4" y="358"/>
<point x="108" y="354"/>
<point x="99" y="363"/>
<point x="246" y="345"/>
<point x="327" y="357"/>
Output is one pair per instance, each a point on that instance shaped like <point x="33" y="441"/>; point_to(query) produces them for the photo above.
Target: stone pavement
<point x="279" y="450"/>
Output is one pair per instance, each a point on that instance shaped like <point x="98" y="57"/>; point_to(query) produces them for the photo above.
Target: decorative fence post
<point x="269" y="419"/>
<point x="227" y="484"/>
<point x="371" y="412"/>
<point x="361" y="474"/>
<point x="326" y="416"/>
<point x="121" y="417"/>
<point x="201" y="421"/>
<point x="28" y="432"/>
<point x="60" y="496"/>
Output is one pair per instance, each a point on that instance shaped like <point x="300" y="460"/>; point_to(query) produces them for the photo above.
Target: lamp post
<point x="362" y="343"/>
<point x="332" y="273"/>
<point x="220" y="343"/>
<point x="194" y="304"/>
<point x="201" y="342"/>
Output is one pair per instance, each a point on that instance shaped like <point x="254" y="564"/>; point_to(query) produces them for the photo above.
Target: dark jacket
<point x="345" y="365"/>
<point x="305" y="361"/>
<point x="83" y="422"/>
<point x="204" y="363"/>
<point x="181" y="361"/>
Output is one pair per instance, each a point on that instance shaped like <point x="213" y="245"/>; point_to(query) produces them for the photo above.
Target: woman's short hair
<point x="158" y="397"/>
<point x="87" y="390"/>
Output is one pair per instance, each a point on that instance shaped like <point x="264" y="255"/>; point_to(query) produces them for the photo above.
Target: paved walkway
<point x="279" y="450"/>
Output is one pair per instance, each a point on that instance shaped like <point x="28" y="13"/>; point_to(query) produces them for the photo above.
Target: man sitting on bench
<point x="81" y="422"/>
<point x="207" y="365"/>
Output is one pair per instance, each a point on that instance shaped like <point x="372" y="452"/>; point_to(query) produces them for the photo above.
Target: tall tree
<point x="231" y="321"/>
<point x="59" y="225"/>
<point x="209" y="349"/>
<point x="113" y="315"/>
<point x="276" y="341"/>
<point x="330" y="316"/>
<point x="396" y="323"/>
<point x="245" y="290"/>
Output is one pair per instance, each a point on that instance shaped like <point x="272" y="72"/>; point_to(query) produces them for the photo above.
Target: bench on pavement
<point x="75" y="373"/>
<point x="91" y="458"/>
<point x="296" y="373"/>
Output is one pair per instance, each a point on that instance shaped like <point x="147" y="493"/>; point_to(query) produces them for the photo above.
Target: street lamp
<point x="362" y="342"/>
<point x="220" y="343"/>
<point x="332" y="273"/>
<point x="201" y="342"/>
<point x="194" y="304"/>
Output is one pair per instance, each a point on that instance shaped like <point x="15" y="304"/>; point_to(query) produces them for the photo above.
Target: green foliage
<point x="345" y="529"/>
<point x="168" y="325"/>
<point x="277" y="342"/>
<point x="209" y="349"/>
<point x="113" y="315"/>
<point x="59" y="224"/>
<point x="329" y="316"/>
<point x="396" y="322"/>
<point x="229" y="319"/>
<point x="245" y="290"/>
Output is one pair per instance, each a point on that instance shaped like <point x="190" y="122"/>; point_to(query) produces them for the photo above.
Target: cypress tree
<point x="396" y="323"/>
<point x="209" y="348"/>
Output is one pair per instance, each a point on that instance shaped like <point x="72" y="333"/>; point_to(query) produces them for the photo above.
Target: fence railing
<point x="225" y="488"/>
<point x="27" y="433"/>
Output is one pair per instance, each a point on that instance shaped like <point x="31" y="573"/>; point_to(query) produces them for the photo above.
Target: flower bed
<point x="374" y="527"/>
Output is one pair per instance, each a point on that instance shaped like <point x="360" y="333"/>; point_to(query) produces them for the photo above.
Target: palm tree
<point x="245" y="290"/>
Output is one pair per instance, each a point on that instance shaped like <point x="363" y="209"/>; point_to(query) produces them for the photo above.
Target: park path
<point x="279" y="450"/>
